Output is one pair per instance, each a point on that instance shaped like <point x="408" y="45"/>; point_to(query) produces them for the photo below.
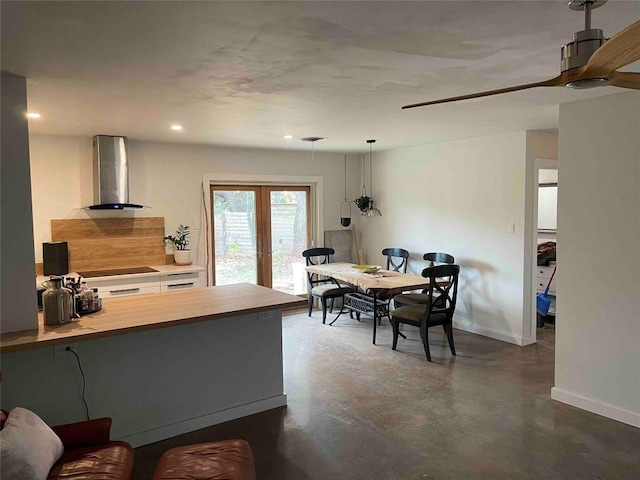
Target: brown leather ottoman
<point x="227" y="460"/>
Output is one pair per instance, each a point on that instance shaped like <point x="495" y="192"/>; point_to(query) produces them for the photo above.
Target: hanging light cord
<point x="364" y="176"/>
<point x="371" y="167"/>
<point x="345" y="177"/>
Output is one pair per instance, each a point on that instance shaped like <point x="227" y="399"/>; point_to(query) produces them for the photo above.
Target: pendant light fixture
<point x="345" y="206"/>
<point x="372" y="211"/>
<point x="312" y="140"/>
<point x="363" y="202"/>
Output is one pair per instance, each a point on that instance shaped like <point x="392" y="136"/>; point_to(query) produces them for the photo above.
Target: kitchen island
<point x="158" y="364"/>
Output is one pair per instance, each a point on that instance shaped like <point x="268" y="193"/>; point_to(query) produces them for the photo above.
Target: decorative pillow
<point x="28" y="447"/>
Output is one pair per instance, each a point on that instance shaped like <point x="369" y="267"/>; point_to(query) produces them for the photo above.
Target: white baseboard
<point x="595" y="406"/>
<point x="527" y="341"/>
<point x="502" y="336"/>
<point x="213" y="418"/>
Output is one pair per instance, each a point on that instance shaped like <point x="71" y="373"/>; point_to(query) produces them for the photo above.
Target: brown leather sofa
<point x="225" y="460"/>
<point x="90" y="454"/>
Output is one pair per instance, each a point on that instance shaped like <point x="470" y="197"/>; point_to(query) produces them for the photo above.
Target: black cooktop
<point x="116" y="271"/>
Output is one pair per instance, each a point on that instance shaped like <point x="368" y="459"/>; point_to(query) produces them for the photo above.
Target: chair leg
<point x="331" y="306"/>
<point x="310" y="303"/>
<point x="448" y="329"/>
<point x="425" y="344"/>
<point x="324" y="310"/>
<point x="394" y="326"/>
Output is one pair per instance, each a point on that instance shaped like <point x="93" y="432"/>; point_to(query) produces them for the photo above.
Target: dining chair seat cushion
<point x="412" y="298"/>
<point x="330" y="290"/>
<point x="413" y="314"/>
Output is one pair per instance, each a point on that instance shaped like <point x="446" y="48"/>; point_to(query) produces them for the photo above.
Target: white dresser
<point x="542" y="278"/>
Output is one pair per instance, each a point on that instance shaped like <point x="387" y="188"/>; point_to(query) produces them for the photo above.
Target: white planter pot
<point x="182" y="257"/>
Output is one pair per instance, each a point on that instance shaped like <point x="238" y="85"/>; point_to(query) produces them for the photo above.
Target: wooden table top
<point x="384" y="281"/>
<point x="152" y="311"/>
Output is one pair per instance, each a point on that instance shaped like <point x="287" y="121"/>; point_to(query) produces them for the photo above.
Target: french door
<point x="259" y="233"/>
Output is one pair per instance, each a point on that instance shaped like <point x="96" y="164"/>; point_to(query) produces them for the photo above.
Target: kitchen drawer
<point x="174" y="281"/>
<point x="172" y="287"/>
<point x="542" y="282"/>
<point x="544" y="272"/>
<point x="124" y="286"/>
<point x="126" y="290"/>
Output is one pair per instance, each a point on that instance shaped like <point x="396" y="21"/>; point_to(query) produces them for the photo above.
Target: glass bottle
<point x="56" y="303"/>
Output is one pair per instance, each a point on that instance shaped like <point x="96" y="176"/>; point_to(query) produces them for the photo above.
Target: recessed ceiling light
<point x="176" y="127"/>
<point x="33" y="115"/>
<point x="288" y="137"/>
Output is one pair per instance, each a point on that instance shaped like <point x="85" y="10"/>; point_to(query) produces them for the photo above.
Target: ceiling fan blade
<point x="554" y="82"/>
<point x="625" y="80"/>
<point x="619" y="51"/>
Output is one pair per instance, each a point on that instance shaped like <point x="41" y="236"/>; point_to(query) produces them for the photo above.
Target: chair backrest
<point x="444" y="296"/>
<point x="397" y="259"/>
<point x="317" y="256"/>
<point x="438" y="257"/>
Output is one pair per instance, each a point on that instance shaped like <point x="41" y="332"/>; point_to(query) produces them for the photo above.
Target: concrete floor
<point x="362" y="411"/>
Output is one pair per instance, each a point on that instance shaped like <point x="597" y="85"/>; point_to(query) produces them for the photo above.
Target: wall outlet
<point x="264" y="316"/>
<point x="511" y="228"/>
<point x="61" y="350"/>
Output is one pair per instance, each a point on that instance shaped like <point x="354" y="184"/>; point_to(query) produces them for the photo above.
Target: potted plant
<point x="363" y="203"/>
<point x="179" y="242"/>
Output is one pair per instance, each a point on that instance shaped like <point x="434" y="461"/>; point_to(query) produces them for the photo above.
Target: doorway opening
<point x="258" y="235"/>
<point x="546" y="207"/>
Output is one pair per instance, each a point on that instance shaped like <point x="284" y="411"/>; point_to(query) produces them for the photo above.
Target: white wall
<point x="460" y="197"/>
<point x="168" y="178"/>
<point x="598" y="328"/>
<point x="18" y="302"/>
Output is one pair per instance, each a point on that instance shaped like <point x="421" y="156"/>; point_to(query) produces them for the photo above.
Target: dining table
<point x="378" y="285"/>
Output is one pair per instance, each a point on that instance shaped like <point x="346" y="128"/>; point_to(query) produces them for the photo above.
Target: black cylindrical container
<point x="55" y="258"/>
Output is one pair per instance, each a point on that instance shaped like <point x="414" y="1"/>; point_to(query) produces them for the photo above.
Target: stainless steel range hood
<point x="111" y="174"/>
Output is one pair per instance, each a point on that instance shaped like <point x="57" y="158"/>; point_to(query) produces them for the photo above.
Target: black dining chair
<point x="322" y="288"/>
<point x="404" y="299"/>
<point x="397" y="259"/>
<point x="438" y="311"/>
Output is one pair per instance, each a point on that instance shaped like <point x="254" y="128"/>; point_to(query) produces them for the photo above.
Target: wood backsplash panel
<point x="105" y="243"/>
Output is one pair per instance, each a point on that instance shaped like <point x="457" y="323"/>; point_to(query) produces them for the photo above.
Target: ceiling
<point x="247" y="73"/>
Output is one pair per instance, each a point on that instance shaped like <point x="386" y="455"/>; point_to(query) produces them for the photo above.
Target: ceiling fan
<point x="587" y="61"/>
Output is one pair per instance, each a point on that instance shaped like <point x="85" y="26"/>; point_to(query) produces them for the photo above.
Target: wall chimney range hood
<point x="111" y="174"/>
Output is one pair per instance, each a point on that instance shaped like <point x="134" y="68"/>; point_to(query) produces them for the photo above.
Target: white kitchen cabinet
<point x="168" y="278"/>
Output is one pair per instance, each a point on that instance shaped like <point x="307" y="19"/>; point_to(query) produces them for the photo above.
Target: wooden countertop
<point x="139" y="313"/>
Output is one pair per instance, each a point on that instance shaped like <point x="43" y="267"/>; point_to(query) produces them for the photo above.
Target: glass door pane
<point x="289" y="210"/>
<point x="235" y="241"/>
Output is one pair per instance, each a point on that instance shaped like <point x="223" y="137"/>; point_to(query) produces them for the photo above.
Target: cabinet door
<point x="547" y="208"/>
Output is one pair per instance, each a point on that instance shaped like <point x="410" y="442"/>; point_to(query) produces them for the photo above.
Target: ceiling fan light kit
<point x="589" y="61"/>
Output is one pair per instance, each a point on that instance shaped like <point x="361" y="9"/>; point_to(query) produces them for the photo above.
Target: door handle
<point x="125" y="290"/>
<point x="180" y="285"/>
